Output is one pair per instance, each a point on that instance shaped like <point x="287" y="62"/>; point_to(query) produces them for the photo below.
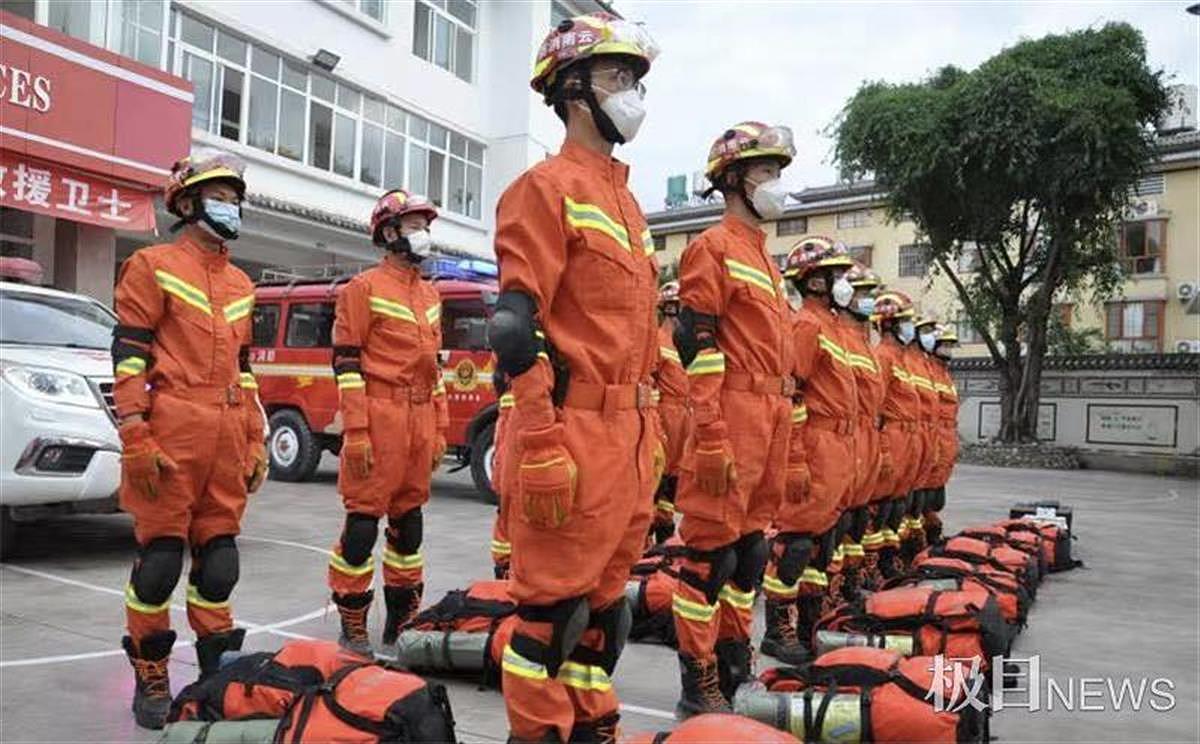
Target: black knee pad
<point x="722" y="563"/>
<point x="751" y="552"/>
<point x="215" y="568"/>
<point x="796" y="555"/>
<point x="614" y="622"/>
<point x="569" y="619"/>
<point x="826" y="547"/>
<point x="939" y="499"/>
<point x="405" y="531"/>
<point x="157" y="569"/>
<point x="920" y="499"/>
<point x="358" y="538"/>
<point x="860" y="518"/>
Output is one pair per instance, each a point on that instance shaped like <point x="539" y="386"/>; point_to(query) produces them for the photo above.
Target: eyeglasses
<point x="622" y="79"/>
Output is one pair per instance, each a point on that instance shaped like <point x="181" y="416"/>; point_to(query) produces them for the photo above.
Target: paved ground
<point x="1131" y="614"/>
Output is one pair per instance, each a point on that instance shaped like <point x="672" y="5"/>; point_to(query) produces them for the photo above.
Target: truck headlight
<point x="51" y="385"/>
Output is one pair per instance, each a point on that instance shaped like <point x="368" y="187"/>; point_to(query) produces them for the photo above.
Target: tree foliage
<point x="1027" y="160"/>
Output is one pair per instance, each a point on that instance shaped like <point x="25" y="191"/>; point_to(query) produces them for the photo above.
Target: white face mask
<point x="906" y="332"/>
<point x="927" y="341"/>
<point x="626" y="110"/>
<point x="768" y="199"/>
<point x="420" y="243"/>
<point x="842" y="292"/>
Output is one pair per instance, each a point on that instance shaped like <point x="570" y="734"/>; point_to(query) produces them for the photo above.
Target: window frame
<point x="1120" y="307"/>
<point x="263" y="307"/>
<point x="853" y="219"/>
<point x="434" y="10"/>
<point x="1128" y="263"/>
<point x="292" y="308"/>
<point x="784" y="226"/>
<point x="865" y="249"/>
<point x="924" y="248"/>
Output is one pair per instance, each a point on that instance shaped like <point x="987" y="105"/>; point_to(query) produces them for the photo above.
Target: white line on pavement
<point x="651" y="712"/>
<point x="288" y="543"/>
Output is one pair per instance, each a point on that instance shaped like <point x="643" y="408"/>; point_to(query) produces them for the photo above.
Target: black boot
<point x="808" y="612"/>
<point x="210" y="647"/>
<point x="851" y="583"/>
<point x="888" y="568"/>
<point x="353" y="610"/>
<point x="781" y="640"/>
<point x="402" y="605"/>
<point x="602" y="730"/>
<point x="550" y="737"/>
<point x="734" y="665"/>
<point x="152" y="690"/>
<point x="701" y="689"/>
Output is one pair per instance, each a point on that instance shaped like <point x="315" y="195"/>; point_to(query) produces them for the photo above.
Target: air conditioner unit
<point x="1185" y="291"/>
<point x="1142" y="208"/>
<point x="1188" y="346"/>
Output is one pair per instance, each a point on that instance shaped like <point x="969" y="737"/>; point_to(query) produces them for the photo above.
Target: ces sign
<point x="21" y="88"/>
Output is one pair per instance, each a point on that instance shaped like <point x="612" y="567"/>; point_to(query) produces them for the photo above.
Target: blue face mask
<point x="864" y="307"/>
<point x="928" y="340"/>
<point x="222" y="219"/>
<point x="906" y="332"/>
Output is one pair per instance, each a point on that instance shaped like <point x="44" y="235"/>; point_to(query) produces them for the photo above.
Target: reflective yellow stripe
<point x="664" y="506"/>
<point x="900" y="373"/>
<point x="239" y="308"/>
<point x="731" y="595"/>
<point x="838" y="353"/>
<point x="591" y="217"/>
<point x="872" y="539"/>
<point x="514" y="663"/>
<point x="584" y="677"/>
<point x="137" y="605"/>
<point x="350" y="381"/>
<point x="391" y="309"/>
<point x="750" y="275"/>
<point x="339" y="564"/>
<point x="921" y="382"/>
<point x="707" y="363"/>
<point x="689" y="610"/>
<point x="854" y="550"/>
<point x="508" y="400"/>
<point x="647" y="242"/>
<point x="666" y="352"/>
<point x="777" y="587"/>
<point x="402" y="561"/>
<point x="439" y="388"/>
<point x="814" y="576"/>
<point x="862" y="362"/>
<point x="172" y="284"/>
<point x="890" y="536"/>
<point x="247" y="381"/>
<point x="433" y="314"/>
<point x="194" y="598"/>
<point x="799" y="414"/>
<point x="501" y="547"/>
<point x="131" y="366"/>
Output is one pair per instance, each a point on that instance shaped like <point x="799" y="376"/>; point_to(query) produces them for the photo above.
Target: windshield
<point x="27" y="318"/>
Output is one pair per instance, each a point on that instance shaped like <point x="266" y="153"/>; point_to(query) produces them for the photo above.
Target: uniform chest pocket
<point x="755" y="299"/>
<point x="186" y="301"/>
<point x="604" y="278"/>
<point x="394" y="322"/>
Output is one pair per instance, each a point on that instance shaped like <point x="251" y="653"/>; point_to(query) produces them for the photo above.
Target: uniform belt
<point x="902" y="424"/>
<point x="749" y="382"/>
<point x="209" y="395"/>
<point x="388" y="391"/>
<point x="595" y="396"/>
<point x="829" y="423"/>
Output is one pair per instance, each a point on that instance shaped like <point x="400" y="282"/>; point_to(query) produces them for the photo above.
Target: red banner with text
<point x="46" y="188"/>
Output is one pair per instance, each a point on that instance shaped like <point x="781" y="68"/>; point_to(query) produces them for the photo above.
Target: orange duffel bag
<point x="649" y="591"/>
<point x="999" y="534"/>
<point x="1055" y="541"/>
<point x="952" y="573"/>
<point x="871" y="695"/>
<point x="980" y="552"/>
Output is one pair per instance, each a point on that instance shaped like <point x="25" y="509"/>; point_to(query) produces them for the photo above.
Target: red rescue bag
<point x="1055" y="542"/>
<point x="979" y="552"/>
<point x="998" y="535"/>
<point x="464" y="632"/>
<point x="952" y="573"/>
<point x="651" y="584"/>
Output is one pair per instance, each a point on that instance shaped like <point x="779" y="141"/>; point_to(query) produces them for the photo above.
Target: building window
<point x="969" y="260"/>
<point x="559" y="13"/>
<point x="16" y="233"/>
<point x="372" y="8"/>
<point x="914" y="260"/>
<point x="140" y="30"/>
<point x="861" y="253"/>
<point x="82" y="19"/>
<point x="660" y="243"/>
<point x="1134" y="326"/>
<point x="256" y="96"/>
<point x="967" y="332"/>
<point x="791" y="226"/>
<point x="444" y="34"/>
<point x="1155" y="183"/>
<point x="1143" y="246"/>
<point x="857" y="218"/>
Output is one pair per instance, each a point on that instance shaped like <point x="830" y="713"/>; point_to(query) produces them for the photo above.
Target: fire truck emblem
<point x="464" y="375"/>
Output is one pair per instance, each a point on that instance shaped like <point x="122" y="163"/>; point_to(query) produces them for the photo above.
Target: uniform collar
<point x="817" y="305"/>
<point x="595" y="160"/>
<point x="742" y="229"/>
<point x="406" y="272"/>
<point x="206" y="256"/>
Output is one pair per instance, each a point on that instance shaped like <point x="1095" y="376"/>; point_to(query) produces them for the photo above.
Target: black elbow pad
<point x="512" y="333"/>
<point x="347" y="359"/>
<point x="694" y="332"/>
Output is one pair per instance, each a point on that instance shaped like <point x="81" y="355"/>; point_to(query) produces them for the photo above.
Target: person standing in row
<point x="946" y="426"/>
<point x="386" y="334"/>
<point x="672" y="383"/>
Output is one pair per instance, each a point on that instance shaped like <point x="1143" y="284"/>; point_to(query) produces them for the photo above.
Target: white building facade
<point x="330" y="102"/>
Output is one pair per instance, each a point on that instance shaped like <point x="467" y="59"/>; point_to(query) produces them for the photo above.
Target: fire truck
<point x="292" y="357"/>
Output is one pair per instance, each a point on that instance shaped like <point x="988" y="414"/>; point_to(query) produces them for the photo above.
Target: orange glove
<point x="356" y="453"/>
<point x="715" y="473"/>
<point x="799" y="482"/>
<point x="143" y="463"/>
<point x="547" y="477"/>
<point x="439" y="450"/>
<point x="256" y="466"/>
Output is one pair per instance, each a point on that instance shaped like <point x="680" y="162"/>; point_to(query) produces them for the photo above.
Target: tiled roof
<point x="1176" y="362"/>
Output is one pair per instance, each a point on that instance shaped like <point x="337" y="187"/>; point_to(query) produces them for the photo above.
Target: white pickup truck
<point x="59" y="450"/>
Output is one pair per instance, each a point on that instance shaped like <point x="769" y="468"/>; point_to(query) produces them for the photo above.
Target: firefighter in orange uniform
<point x="386" y="335"/>
<point x="190" y="424"/>
<point x="920" y="368"/>
<point x="899" y="429"/>
<point x="733" y="338"/>
<point x="501" y="547"/>
<point x="575" y="329"/>
<point x="671" y="380"/>
<point x="870" y="458"/>
<point x="946" y="424"/>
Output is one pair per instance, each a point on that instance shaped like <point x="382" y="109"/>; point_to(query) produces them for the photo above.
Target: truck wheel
<point x="8" y="533"/>
<point x="483" y="448"/>
<point x="292" y="447"/>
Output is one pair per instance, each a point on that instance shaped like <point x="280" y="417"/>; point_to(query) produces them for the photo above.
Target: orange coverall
<point x="821" y="365"/>
<point x="922" y="373"/>
<point x="393" y="317"/>
<point x="202" y="407"/>
<point x="671" y="380"/>
<point x="745" y="384"/>
<point x="947" y="419"/>
<point x="869" y="453"/>
<point x="901" y="423"/>
<point x="501" y="547"/>
<point x="570" y="235"/>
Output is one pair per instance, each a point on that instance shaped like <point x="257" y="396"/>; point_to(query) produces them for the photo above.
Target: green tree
<point x="1027" y="161"/>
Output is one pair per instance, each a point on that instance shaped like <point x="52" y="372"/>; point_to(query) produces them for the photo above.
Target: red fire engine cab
<point x="292" y="357"/>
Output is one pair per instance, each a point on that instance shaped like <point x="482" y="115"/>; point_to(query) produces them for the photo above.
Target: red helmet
<point x="892" y="305"/>
<point x="594" y="35"/>
<point x="201" y="168"/>
<point x="668" y="292"/>
<point x="747" y="141"/>
<point x="814" y="252"/>
<point x="860" y="275"/>
<point x="395" y="204"/>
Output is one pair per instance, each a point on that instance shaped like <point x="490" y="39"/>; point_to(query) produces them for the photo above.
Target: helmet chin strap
<point x="604" y="123"/>
<point x="200" y="215"/>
